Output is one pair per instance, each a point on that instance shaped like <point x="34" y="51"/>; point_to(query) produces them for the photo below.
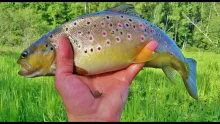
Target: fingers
<point x="152" y="45"/>
<point x="67" y="84"/>
<point x="64" y="58"/>
<point x="134" y="69"/>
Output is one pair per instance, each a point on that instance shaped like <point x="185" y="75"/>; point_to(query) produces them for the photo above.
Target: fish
<point x="106" y="41"/>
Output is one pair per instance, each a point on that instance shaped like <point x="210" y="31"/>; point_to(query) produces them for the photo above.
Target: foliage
<point x="24" y="22"/>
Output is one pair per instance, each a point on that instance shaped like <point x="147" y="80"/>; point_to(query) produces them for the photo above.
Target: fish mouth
<point x="25" y="70"/>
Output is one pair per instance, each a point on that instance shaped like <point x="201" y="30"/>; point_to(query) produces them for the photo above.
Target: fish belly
<point x="107" y="59"/>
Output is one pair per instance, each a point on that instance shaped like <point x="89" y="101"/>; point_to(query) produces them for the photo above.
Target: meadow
<point x="152" y="97"/>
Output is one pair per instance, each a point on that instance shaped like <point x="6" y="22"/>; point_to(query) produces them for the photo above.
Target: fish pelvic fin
<point x="145" y="55"/>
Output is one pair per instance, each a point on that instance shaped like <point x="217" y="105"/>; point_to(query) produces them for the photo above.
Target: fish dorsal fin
<point x="125" y="9"/>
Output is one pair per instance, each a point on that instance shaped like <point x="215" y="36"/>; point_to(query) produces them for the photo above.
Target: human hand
<point x="75" y="91"/>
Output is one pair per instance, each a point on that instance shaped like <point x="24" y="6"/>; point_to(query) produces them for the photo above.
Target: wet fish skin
<point x="87" y="51"/>
<point x="107" y="41"/>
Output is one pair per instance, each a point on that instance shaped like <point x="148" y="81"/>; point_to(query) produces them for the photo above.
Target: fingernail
<point x="152" y="45"/>
<point x="62" y="37"/>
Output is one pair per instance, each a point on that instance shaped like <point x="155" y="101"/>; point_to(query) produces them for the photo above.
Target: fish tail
<point x="187" y="71"/>
<point x="190" y="81"/>
<point x="172" y="67"/>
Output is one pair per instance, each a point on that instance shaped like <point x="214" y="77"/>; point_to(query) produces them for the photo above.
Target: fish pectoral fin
<point x="145" y="55"/>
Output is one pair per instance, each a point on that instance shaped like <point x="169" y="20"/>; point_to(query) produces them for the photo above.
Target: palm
<point x="78" y="100"/>
<point x="75" y="91"/>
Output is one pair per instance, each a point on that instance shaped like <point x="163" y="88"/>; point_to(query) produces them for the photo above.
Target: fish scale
<point x="107" y="41"/>
<point x="102" y="22"/>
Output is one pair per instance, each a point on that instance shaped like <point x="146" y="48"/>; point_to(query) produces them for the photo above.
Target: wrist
<point x="93" y="118"/>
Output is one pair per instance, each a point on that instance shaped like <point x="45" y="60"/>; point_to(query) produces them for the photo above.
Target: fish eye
<point x="24" y="54"/>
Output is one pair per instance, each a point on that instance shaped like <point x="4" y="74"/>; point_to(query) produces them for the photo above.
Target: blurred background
<point x="195" y="26"/>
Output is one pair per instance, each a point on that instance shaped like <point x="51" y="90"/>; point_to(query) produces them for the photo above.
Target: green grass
<point x="152" y="96"/>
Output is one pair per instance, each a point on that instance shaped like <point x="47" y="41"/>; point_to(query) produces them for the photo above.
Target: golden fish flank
<point x="107" y="41"/>
<point x="101" y="36"/>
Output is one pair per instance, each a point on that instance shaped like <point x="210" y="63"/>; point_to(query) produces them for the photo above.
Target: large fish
<point x="106" y="41"/>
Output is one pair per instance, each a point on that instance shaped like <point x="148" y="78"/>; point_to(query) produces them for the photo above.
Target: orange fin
<point x="145" y="55"/>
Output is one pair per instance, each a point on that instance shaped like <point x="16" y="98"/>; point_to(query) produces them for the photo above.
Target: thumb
<point x="65" y="62"/>
<point x="134" y="69"/>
